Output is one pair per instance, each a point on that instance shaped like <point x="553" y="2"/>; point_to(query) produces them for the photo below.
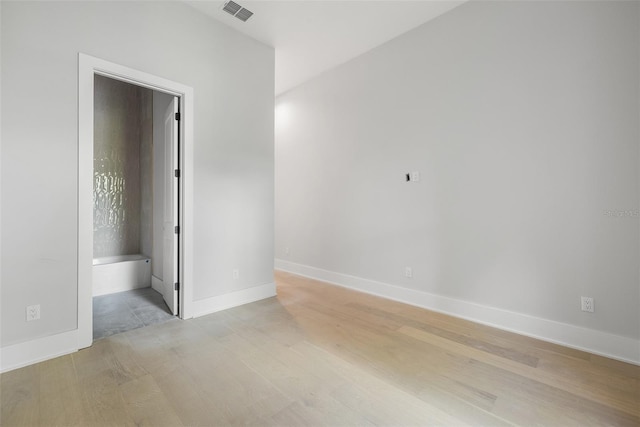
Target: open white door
<point x="170" y="268"/>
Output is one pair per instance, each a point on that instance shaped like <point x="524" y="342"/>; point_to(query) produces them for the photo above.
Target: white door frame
<point x="88" y="66"/>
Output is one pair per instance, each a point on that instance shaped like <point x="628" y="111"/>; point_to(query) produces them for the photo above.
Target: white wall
<point x="232" y="77"/>
<point x="122" y="184"/>
<point x="146" y="173"/>
<point x="523" y="120"/>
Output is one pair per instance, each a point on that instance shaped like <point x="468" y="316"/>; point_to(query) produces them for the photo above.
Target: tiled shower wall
<point x="122" y="165"/>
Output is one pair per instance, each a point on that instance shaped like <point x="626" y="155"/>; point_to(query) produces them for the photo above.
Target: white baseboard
<point x="157" y="284"/>
<point x="38" y="350"/>
<point x="41" y="349"/>
<point x="590" y="340"/>
<point x="233" y="299"/>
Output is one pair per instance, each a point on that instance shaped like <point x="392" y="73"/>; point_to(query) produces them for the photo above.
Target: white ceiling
<point x="311" y="37"/>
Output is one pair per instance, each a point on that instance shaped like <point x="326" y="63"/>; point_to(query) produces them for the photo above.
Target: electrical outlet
<point x="415" y="176"/>
<point x="587" y="304"/>
<point x="286" y="251"/>
<point x="408" y="272"/>
<point x="236" y="273"/>
<point x="33" y="312"/>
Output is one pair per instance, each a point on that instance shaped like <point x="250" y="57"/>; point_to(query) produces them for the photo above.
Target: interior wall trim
<point x="88" y="67"/>
<point x="27" y="353"/>
<point x="589" y="340"/>
<point x="157" y="284"/>
<point x="233" y="299"/>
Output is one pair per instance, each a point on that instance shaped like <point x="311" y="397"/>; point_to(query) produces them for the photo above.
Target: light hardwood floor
<point x="322" y="355"/>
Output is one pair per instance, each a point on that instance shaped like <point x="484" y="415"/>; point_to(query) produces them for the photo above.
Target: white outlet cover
<point x="33" y="312"/>
<point x="587" y="304"/>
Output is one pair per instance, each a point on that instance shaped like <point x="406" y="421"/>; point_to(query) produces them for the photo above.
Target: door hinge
<point x="176" y="229"/>
<point x="176" y="286"/>
<point x="177" y="116"/>
<point x="176" y="173"/>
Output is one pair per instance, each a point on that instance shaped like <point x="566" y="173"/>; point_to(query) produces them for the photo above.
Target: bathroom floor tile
<point x="144" y="297"/>
<point x="150" y="315"/>
<point x="125" y="311"/>
<point x="108" y="304"/>
<point x="115" y="323"/>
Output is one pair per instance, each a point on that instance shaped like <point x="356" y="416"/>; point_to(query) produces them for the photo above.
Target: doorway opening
<point x="134" y="224"/>
<point x="136" y="199"/>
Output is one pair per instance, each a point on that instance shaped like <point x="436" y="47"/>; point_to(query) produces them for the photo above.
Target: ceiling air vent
<point x="244" y="14"/>
<point x="231" y="7"/>
<point x="236" y="10"/>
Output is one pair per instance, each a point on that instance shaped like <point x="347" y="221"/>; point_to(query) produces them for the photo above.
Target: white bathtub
<point x="120" y="273"/>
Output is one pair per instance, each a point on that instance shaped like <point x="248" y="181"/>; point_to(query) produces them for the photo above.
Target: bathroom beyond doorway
<point x="136" y="197"/>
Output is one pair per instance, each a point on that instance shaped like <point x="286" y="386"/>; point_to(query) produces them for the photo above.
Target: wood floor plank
<point x="627" y="404"/>
<point x="62" y="408"/>
<point x="318" y="355"/>
<point x="60" y="394"/>
<point x="102" y="402"/>
<point x="20" y="397"/>
<point x="183" y="397"/>
<point x="322" y="410"/>
<point x="379" y="401"/>
<point x="146" y="404"/>
<point x="422" y="378"/>
<point x="464" y="339"/>
<point x="544" y="356"/>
